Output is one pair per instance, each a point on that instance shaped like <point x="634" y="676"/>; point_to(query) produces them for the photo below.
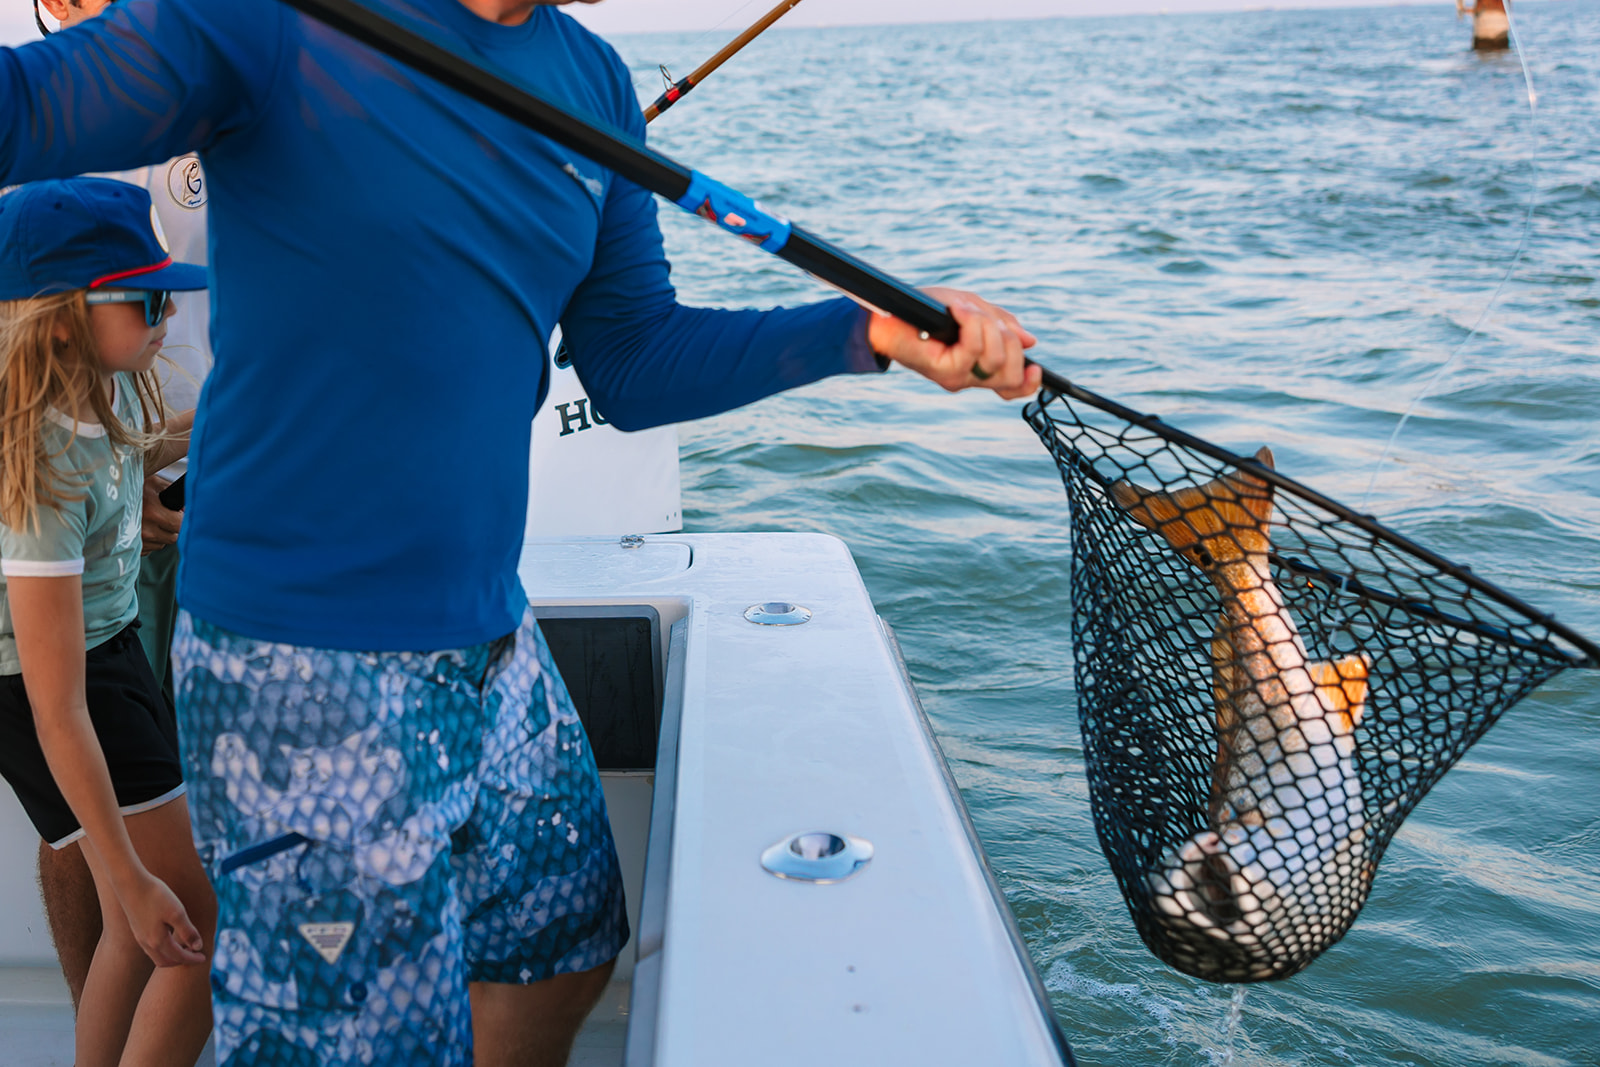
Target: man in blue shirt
<point x="386" y="827"/>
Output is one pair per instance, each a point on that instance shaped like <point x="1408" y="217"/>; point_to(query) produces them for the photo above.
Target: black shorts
<point x="133" y="720"/>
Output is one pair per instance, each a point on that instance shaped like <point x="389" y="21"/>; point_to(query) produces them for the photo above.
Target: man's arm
<point x="646" y="360"/>
<point x="148" y="80"/>
<point x="174" y="442"/>
<point x="160" y="524"/>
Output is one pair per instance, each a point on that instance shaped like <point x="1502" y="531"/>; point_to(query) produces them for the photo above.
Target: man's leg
<point x="324" y="786"/>
<point x="73" y="910"/>
<point x="536" y="869"/>
<point x="533" y="1025"/>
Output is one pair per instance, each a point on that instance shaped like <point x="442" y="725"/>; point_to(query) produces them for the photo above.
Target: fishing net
<point x="1267" y="685"/>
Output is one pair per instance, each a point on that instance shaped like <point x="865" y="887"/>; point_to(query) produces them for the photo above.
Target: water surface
<point x="1267" y="227"/>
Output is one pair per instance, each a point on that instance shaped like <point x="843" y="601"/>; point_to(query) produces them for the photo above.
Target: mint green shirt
<point x="97" y="537"/>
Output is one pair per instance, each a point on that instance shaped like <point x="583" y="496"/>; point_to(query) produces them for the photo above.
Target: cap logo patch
<point x="329" y="939"/>
<point x="186" y="183"/>
<point x="161" y="237"/>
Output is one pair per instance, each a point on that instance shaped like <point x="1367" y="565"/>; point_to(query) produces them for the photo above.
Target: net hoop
<point x="1268" y="684"/>
<point x="1584" y="653"/>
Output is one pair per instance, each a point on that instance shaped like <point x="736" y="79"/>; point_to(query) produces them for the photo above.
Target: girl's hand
<point x="160" y="924"/>
<point x="988" y="354"/>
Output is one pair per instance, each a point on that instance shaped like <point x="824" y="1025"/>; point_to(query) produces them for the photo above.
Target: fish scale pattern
<point x="1268" y="684"/>
<point x="383" y="828"/>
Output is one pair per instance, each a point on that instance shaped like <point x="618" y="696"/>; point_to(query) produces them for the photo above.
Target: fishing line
<point x="1516" y="259"/>
<point x="729" y="17"/>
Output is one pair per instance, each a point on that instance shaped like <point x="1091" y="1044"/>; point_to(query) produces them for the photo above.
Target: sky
<point x="640" y="16"/>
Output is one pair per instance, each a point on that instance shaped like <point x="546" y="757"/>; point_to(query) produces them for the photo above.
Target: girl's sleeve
<point x="52" y="550"/>
<point x="646" y="360"/>
<point x="146" y="81"/>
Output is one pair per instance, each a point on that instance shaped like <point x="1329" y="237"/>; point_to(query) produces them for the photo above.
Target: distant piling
<point x="1491" y="26"/>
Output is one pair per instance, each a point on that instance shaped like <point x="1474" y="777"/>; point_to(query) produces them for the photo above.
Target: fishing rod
<point x="680" y="89"/>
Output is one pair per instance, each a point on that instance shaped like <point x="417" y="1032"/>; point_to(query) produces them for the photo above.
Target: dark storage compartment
<point x="610" y="658"/>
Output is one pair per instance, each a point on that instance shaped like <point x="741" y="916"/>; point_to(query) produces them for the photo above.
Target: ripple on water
<point x="1268" y="227"/>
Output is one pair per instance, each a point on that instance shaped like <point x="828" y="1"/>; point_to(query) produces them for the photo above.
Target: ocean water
<point x="1267" y="227"/>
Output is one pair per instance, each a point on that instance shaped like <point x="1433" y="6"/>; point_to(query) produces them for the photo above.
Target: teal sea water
<point x="1268" y="227"/>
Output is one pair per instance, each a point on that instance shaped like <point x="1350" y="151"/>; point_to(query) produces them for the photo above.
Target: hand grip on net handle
<point x="689" y="189"/>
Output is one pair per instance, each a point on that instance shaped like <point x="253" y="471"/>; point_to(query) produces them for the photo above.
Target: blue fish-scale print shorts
<point x="383" y="828"/>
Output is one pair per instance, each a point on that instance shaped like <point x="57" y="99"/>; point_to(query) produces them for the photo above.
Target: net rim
<point x="1055" y="387"/>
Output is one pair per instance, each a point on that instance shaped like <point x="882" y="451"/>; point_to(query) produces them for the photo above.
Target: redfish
<point x="1282" y="868"/>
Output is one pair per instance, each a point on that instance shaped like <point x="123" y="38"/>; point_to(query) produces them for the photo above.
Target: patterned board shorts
<point x="383" y="828"/>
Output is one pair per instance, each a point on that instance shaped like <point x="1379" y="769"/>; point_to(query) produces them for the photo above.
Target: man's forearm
<point x="174" y="444"/>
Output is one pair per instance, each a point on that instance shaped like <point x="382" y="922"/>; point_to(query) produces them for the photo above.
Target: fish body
<point x="1282" y="866"/>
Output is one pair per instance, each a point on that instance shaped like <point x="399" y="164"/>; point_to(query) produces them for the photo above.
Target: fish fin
<point x="1222" y="521"/>
<point x="1343" y="685"/>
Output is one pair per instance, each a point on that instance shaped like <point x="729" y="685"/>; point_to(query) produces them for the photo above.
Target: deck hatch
<point x="610" y="658"/>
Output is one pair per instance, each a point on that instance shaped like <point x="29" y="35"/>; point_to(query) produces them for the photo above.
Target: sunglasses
<point x="157" y="302"/>
<point x="38" y="19"/>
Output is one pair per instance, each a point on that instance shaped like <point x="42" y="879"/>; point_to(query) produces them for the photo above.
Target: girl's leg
<point x="117" y="977"/>
<point x="174" y="1014"/>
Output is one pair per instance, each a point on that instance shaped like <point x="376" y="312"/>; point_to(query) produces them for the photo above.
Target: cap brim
<point x="179" y="277"/>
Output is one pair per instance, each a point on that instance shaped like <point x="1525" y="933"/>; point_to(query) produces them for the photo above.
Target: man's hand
<point x="160" y="525"/>
<point x="988" y="355"/>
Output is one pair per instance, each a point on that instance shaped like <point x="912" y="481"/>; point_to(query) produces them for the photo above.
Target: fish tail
<point x="1222" y="521"/>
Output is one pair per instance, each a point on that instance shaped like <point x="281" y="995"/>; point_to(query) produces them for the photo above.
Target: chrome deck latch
<point x="817" y="856"/>
<point x="777" y="613"/>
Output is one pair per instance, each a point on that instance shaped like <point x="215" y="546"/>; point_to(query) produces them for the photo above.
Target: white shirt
<point x="177" y="188"/>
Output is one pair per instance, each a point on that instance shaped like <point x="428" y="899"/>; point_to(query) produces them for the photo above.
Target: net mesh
<point x="1267" y="685"/>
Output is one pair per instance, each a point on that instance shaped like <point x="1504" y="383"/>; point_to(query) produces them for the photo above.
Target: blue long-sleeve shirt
<point x="388" y="259"/>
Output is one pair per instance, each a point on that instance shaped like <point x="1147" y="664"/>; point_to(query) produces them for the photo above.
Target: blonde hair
<point x="40" y="370"/>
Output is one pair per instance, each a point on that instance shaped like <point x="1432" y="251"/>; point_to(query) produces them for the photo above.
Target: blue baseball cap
<point x="85" y="233"/>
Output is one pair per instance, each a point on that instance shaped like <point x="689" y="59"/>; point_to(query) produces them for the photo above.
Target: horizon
<point x="630" y="17"/>
<point x="624" y="18"/>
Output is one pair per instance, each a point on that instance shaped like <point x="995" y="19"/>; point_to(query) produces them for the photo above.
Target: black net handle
<point x="1590" y="657"/>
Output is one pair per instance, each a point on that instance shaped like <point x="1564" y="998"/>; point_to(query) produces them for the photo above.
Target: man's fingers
<point x="989" y="352"/>
<point x="1032" y="379"/>
<point x="1014" y="324"/>
<point x="1002" y="360"/>
<point x="991" y="356"/>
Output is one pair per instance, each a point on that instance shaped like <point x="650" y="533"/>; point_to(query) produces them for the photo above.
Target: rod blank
<point x="683" y="86"/>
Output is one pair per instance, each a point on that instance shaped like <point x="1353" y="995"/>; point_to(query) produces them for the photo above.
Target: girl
<point x="86" y="739"/>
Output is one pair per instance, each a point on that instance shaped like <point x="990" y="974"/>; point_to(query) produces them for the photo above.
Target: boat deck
<point x="775" y="707"/>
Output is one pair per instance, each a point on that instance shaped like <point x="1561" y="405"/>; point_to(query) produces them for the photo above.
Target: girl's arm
<point x="175" y="445"/>
<point x="48" y="616"/>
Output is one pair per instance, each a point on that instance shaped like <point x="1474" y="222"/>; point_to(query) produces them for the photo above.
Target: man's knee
<point x="534" y="1025"/>
<point x="563" y="995"/>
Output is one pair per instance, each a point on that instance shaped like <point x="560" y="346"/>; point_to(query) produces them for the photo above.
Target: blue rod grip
<point x="735" y="212"/>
